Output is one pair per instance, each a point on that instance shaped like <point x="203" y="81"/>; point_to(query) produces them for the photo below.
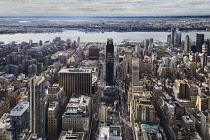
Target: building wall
<point x="103" y="113"/>
<point x="4" y="106"/>
<point x="110" y="63"/>
<point x="75" y="122"/>
<point x="53" y="122"/>
<point x="135" y="72"/>
<point x="37" y="105"/>
<point x="76" y="82"/>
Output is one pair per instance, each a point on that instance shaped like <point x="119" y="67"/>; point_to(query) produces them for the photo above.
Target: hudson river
<point x="94" y="36"/>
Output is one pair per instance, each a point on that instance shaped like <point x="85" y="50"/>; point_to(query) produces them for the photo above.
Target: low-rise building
<point x="66" y="135"/>
<point x="110" y="133"/>
<point x="78" y="114"/>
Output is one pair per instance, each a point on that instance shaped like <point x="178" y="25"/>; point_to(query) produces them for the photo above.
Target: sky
<point x="104" y="7"/>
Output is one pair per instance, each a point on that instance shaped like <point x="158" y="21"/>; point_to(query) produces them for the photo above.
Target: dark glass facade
<point x="109" y="63"/>
<point x="93" y="53"/>
<point x="199" y="42"/>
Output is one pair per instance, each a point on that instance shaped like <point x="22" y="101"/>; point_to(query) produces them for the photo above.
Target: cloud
<point x="15" y="1"/>
<point x="112" y="7"/>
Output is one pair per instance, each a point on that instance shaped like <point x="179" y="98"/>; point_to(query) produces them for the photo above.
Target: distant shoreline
<point x="100" y="31"/>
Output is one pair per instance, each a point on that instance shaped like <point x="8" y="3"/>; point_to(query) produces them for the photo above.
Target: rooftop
<point x="186" y="119"/>
<point x="78" y="105"/>
<point x="53" y="105"/>
<point x="109" y="133"/>
<point x="19" y="109"/>
<point x="145" y="128"/>
<point x="65" y="135"/>
<point x="75" y="70"/>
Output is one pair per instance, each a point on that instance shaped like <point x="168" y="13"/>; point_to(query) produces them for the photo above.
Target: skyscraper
<point x="173" y="33"/>
<point x="135" y="71"/>
<point x="207" y="41"/>
<point x="109" y="62"/>
<point x="187" y="44"/>
<point x="178" y="37"/>
<point x="175" y="37"/>
<point x="78" y="42"/>
<point x="146" y="44"/>
<point x="199" y="42"/>
<point x="169" y="39"/>
<point x="205" y="49"/>
<point x="37" y="105"/>
<point x="150" y="41"/>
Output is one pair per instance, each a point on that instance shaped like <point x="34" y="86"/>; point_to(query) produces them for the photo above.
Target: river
<point x="95" y="36"/>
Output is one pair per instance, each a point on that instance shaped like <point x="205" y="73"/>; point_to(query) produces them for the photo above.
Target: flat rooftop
<point x="19" y="109"/>
<point x="75" y="70"/>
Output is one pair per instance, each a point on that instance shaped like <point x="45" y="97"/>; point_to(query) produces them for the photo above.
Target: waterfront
<point x="95" y="36"/>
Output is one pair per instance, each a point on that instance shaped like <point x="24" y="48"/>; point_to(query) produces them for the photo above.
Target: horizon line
<point x="105" y="16"/>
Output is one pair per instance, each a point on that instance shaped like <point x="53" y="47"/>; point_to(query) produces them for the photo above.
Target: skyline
<point x="104" y="8"/>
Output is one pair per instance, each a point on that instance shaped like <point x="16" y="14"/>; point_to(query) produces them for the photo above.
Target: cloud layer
<point x="105" y="7"/>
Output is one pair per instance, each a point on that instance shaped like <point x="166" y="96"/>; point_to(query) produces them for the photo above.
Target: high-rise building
<point x="181" y="89"/>
<point x="207" y="41"/>
<point x="68" y="42"/>
<point x="40" y="43"/>
<point x="150" y="41"/>
<point x="187" y="44"/>
<point x="30" y="42"/>
<point x="150" y="44"/>
<point x="55" y="93"/>
<point x="146" y="44"/>
<point x="53" y="120"/>
<point x="37" y="105"/>
<point x="75" y="80"/>
<point x="173" y="32"/>
<point x="57" y="100"/>
<point x="93" y="53"/>
<point x="127" y="64"/>
<point x="78" y="42"/>
<point x="169" y="39"/>
<point x="193" y="49"/>
<point x="135" y="71"/>
<point x="177" y="38"/>
<point x="20" y="121"/>
<point x="204" y="49"/>
<point x="199" y="42"/>
<point x="109" y="62"/>
<point x="203" y="60"/>
<point x="205" y="125"/>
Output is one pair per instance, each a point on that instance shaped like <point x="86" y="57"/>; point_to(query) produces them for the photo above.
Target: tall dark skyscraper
<point x="173" y="32"/>
<point x="109" y="62"/>
<point x="199" y="42"/>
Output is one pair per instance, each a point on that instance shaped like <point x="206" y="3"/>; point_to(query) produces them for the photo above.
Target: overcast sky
<point x="104" y="7"/>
